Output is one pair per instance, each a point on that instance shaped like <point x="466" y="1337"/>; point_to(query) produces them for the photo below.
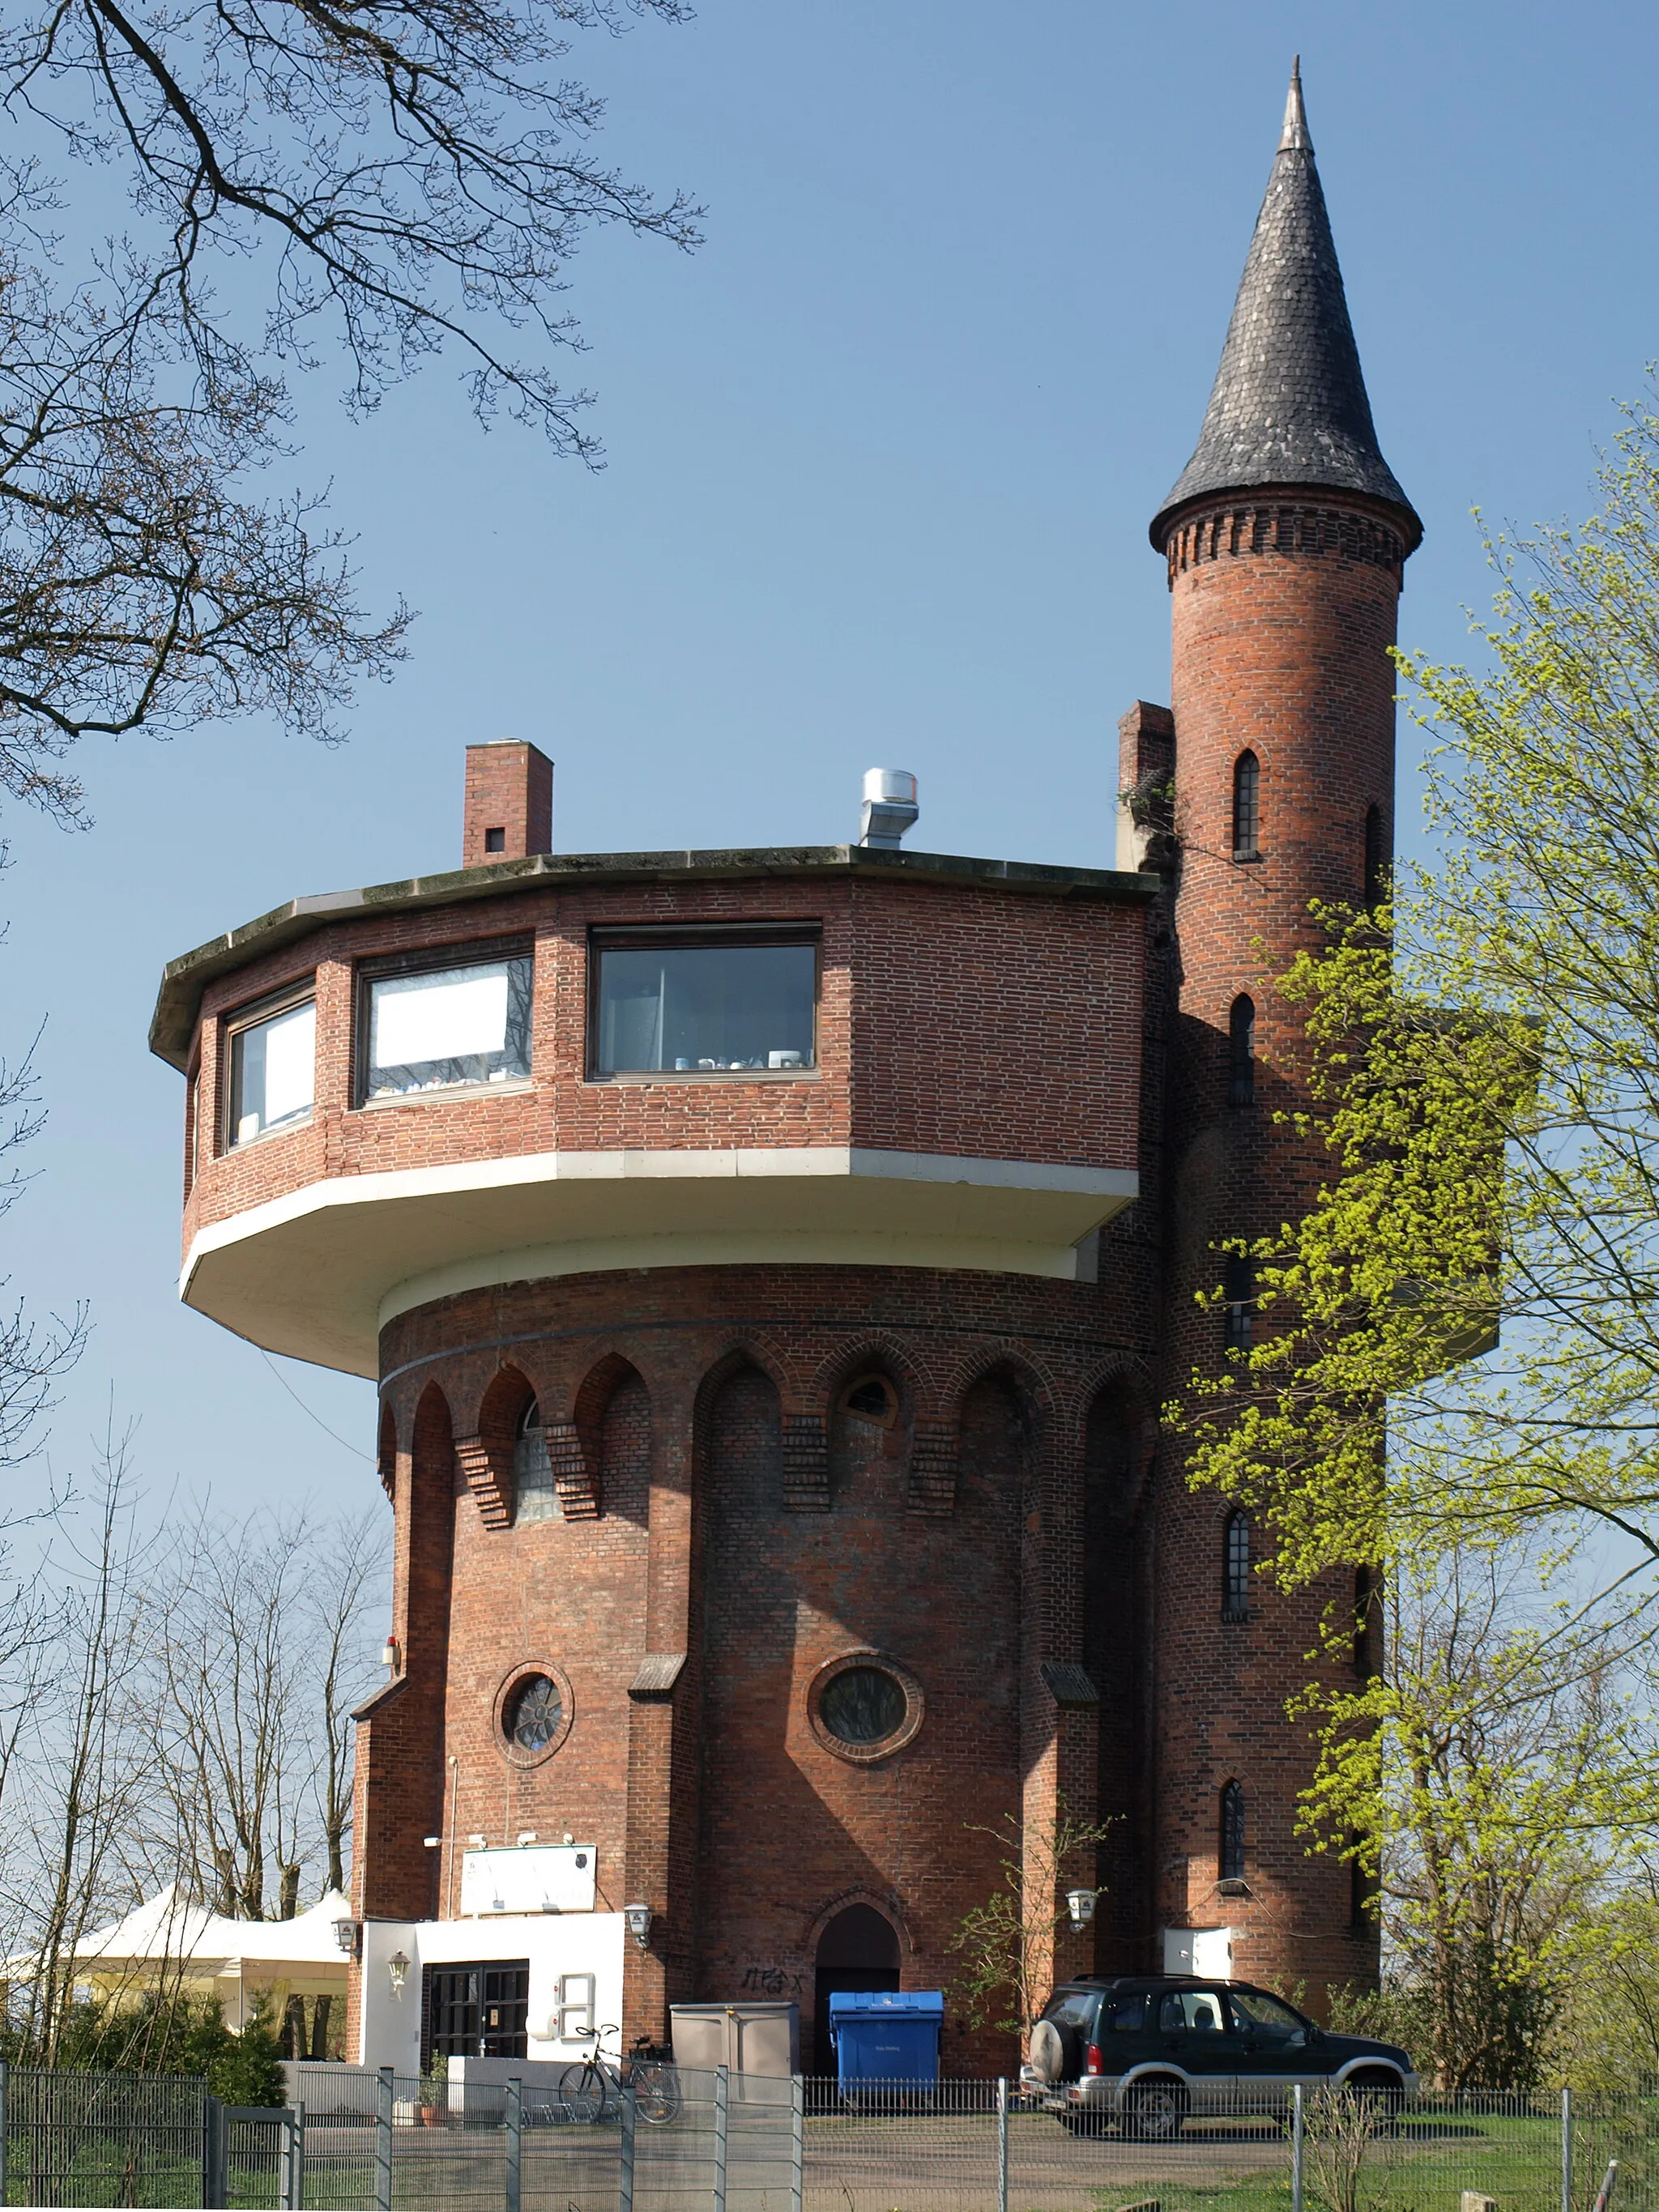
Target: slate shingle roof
<point x="1289" y="404"/>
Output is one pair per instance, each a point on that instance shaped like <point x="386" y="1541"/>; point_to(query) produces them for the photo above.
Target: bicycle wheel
<point x="583" y="2092"/>
<point x="656" y="2093"/>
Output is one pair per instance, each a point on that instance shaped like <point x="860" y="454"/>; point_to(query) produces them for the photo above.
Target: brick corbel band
<point x="575" y="1479"/>
<point x="489" y="1473"/>
<point x="805" y="1463"/>
<point x="1280" y="526"/>
<point x="932" y="1489"/>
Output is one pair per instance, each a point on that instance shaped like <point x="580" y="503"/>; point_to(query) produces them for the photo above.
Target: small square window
<point x="273" y="1064"/>
<point x="695" y="1003"/>
<point x="495" y="840"/>
<point x="434" y="1029"/>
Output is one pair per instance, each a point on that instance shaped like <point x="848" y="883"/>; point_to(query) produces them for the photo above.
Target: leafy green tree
<point x="1007" y="1944"/>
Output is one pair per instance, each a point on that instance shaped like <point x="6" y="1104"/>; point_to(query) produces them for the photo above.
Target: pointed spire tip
<point x="1293" y="138"/>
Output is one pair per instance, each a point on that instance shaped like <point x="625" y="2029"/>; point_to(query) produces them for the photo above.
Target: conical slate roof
<point x="1289" y="404"/>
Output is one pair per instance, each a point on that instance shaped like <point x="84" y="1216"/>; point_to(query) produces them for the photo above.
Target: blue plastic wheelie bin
<point x="886" y="2041"/>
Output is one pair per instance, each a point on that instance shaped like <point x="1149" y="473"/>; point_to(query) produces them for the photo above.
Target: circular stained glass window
<point x="533" y="1711"/>
<point x="863" y="1704"/>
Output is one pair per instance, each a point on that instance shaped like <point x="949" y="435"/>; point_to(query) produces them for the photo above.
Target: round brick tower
<point x="1286" y="538"/>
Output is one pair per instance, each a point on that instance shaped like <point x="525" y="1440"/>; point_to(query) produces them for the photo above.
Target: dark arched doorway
<point x="859" y="1950"/>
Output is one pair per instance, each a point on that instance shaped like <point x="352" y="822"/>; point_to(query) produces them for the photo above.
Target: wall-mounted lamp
<point x="398" y="1966"/>
<point x="1080" y="1904"/>
<point x="432" y="1842"/>
<point x="477" y="1842"/>
<point x="389" y="1654"/>
<point x="345" y="1934"/>
<point x="638" y="1920"/>
<point x="527" y="1836"/>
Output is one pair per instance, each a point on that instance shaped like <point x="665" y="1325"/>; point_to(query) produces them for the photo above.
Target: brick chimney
<point x="509" y="802"/>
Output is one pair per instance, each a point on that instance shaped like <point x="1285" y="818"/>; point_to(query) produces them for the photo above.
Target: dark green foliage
<point x="170" y="2035"/>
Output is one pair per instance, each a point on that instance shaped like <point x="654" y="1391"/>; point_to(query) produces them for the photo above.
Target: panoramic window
<point x="531" y="1715"/>
<point x="435" y="1027"/>
<point x="535" y="1493"/>
<point x="1246" y="807"/>
<point x="1235" y="1569"/>
<point x="1232" y="1834"/>
<point x="695" y="1004"/>
<point x="273" y="1060"/>
<point x="864" y="1706"/>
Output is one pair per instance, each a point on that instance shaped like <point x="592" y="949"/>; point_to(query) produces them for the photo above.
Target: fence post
<point x="294" y="2158"/>
<point x="1566" y="2150"/>
<point x="797" y="2142"/>
<point x="5" y="2127"/>
<point x="383" y="2098"/>
<point x="1002" y="2142"/>
<point x="515" y="2143"/>
<point x="213" y="2139"/>
<point x="722" y="2085"/>
<point x="625" y="2169"/>
<point x="1297" y="2115"/>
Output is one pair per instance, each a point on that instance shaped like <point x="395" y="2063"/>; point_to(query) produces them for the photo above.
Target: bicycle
<point x="591" y="2092"/>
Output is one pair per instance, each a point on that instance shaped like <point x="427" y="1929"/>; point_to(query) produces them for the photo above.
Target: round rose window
<point x="532" y="1713"/>
<point x="863" y="1706"/>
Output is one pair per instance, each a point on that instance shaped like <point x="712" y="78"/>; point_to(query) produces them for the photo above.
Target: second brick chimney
<point x="509" y="802"/>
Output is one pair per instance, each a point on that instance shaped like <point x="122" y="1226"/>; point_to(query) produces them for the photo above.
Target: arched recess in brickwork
<point x="609" y="1470"/>
<point x="869" y="1401"/>
<point x="1119" y="1439"/>
<point x="385" y="1455"/>
<point x="486" y="1455"/>
<point x="431" y="1527"/>
<point x="803" y="1435"/>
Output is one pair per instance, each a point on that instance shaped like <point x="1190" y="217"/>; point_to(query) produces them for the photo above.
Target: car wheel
<point x="1155" y="2112"/>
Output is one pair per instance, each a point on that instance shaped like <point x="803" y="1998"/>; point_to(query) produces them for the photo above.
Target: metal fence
<point x="683" y="2142"/>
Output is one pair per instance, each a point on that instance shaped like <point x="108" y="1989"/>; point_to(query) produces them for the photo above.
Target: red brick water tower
<point x="772" y="1264"/>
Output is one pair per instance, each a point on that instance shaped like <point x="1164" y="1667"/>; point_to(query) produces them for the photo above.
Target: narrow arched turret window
<point x="1365" y="1617"/>
<point x="1236" y="1568"/>
<point x="1238" y="1288"/>
<point x="1231" y="1855"/>
<point x="1376" y="867"/>
<point x="1241" y="1052"/>
<point x="1246" y="807"/>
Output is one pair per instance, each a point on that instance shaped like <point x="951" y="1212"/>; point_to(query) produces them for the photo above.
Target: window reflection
<point x="703" y="1008"/>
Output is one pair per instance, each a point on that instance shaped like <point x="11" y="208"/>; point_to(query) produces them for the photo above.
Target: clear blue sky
<point x="881" y="461"/>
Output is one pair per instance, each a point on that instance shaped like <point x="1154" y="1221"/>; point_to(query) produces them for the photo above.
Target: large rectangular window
<point x="273" y="1069"/>
<point x="697" y="1003"/>
<point x="433" y="1028"/>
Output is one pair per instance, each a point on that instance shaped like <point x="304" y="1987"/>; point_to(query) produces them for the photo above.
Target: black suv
<point x="1146" y="2049"/>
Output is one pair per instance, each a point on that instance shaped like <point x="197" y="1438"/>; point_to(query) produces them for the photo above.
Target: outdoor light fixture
<point x="638" y="1917"/>
<point x="526" y="1835"/>
<point x="432" y="1842"/>
<point x="345" y="1934"/>
<point x="1080" y="1904"/>
<point x="477" y="1842"/>
<point x="398" y="1966"/>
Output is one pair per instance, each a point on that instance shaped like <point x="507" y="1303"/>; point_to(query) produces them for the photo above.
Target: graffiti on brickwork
<point x="772" y="1982"/>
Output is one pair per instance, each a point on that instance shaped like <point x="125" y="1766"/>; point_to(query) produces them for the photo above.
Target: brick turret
<point x="1286" y="538"/>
